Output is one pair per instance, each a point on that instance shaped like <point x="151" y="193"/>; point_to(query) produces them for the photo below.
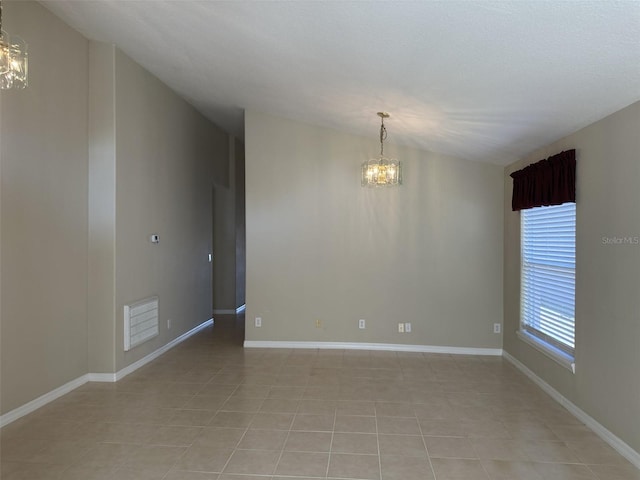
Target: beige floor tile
<point x="405" y="468"/>
<point x="211" y="410"/>
<point x="32" y="471"/>
<point x="365" y="467"/>
<point x="458" y="469"/>
<point x="190" y="389"/>
<point x="313" y="423"/>
<point x="286" y="393"/>
<point x="184" y="475"/>
<point x="532" y="430"/>
<point x="317" y="407"/>
<point x="404" y="445"/>
<point x="204" y="459"/>
<point x="573" y="432"/>
<point x="247" y="477"/>
<point x="89" y="473"/>
<point x="292" y="380"/>
<point x="356" y="408"/>
<point x="253" y="462"/>
<point x="234" y="404"/>
<point x="616" y="472"/>
<point x="22" y="449"/>
<point x="394" y="409"/>
<point x="45" y="428"/>
<point x="194" y="418"/>
<point x="251" y="391"/>
<point x="308" y="442"/>
<point x="552" y="452"/>
<point x="167" y="400"/>
<point x="277" y="477"/>
<point x="155" y="456"/>
<point x="175" y="436"/>
<point x="148" y="472"/>
<point x="595" y="451"/>
<point x="259" y="380"/>
<point x="442" y="428"/>
<point x="218" y="437"/>
<point x="321" y="393"/>
<point x="151" y="416"/>
<point x="303" y="464"/>
<point x="225" y="379"/>
<point x="559" y="471"/>
<point x="263" y="440"/>
<point x="504" y="470"/>
<point x="205" y="402"/>
<point x="232" y="419"/>
<point x="450" y="447"/>
<point x="398" y="425"/>
<point x="361" y="443"/>
<point x="108" y="454"/>
<point x="355" y="424"/>
<point x="63" y="452"/>
<point x="484" y="428"/>
<point x="272" y="421"/>
<point x="279" y="405"/>
<point x="499" y="449"/>
<point x="129" y="433"/>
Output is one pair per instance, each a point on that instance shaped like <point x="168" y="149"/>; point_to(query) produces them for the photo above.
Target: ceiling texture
<point x="481" y="80"/>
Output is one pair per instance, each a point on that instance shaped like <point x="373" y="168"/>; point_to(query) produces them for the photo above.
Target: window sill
<point x="554" y="354"/>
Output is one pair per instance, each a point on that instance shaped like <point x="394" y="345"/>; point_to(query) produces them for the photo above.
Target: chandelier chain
<point x="383" y="136"/>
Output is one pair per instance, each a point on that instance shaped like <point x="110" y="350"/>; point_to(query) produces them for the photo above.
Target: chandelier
<point x="381" y="171"/>
<point x="13" y="60"/>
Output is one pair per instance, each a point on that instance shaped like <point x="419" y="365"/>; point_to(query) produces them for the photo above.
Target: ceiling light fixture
<point x="381" y="171"/>
<point x="14" y="60"/>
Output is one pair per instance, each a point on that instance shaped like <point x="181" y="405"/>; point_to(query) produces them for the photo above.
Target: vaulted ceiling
<point x="481" y="80"/>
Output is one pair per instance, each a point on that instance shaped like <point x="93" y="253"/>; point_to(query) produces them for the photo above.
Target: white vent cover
<point x="140" y="322"/>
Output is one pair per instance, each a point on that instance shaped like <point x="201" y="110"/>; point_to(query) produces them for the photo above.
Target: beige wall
<point x="224" y="236"/>
<point x="96" y="155"/>
<point x="240" y="243"/>
<point x="43" y="198"/>
<point x="166" y="154"/>
<point x="321" y="247"/>
<point x="101" y="336"/>
<point x="228" y="232"/>
<point x="606" y="384"/>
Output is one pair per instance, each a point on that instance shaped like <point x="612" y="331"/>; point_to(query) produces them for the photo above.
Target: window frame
<point x="546" y="343"/>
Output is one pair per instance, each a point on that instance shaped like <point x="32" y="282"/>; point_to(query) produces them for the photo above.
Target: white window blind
<point x="548" y="275"/>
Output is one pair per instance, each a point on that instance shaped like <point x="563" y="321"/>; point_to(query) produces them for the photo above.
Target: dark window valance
<point x="547" y="182"/>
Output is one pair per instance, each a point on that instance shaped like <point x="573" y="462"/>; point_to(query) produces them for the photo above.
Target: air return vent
<point x="140" y="322"/>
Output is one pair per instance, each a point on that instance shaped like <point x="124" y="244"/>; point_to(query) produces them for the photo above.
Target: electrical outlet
<point x="407" y="327"/>
<point x="318" y="323"/>
<point x="401" y="328"/>
<point x="497" y="328"/>
<point x="362" y="323"/>
<point x="168" y="324"/>
<point x="258" y="322"/>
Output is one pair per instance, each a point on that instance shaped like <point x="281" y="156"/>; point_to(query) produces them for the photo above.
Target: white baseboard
<point x="42" y="400"/>
<point x="229" y="311"/>
<point x="390" y="347"/>
<point x="616" y="443"/>
<point x="102" y="377"/>
<point x="49" y="397"/>
<point x="114" y="377"/>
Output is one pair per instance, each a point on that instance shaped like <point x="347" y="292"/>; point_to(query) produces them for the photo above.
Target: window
<point x="547" y="295"/>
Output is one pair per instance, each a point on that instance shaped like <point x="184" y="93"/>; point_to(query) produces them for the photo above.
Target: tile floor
<point x="210" y="410"/>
